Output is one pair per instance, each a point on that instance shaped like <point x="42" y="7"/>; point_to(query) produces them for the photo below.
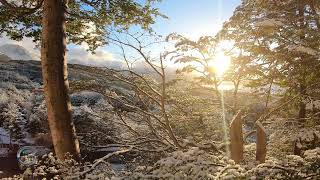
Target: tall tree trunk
<point x="55" y="78"/>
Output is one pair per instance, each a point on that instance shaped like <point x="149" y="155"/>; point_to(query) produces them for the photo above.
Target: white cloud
<point x="75" y="54"/>
<point x="79" y="55"/>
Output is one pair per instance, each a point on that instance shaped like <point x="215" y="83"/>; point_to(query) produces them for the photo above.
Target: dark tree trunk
<point x="56" y="87"/>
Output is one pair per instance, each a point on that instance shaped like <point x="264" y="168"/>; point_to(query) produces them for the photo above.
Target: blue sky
<point x="194" y="18"/>
<point x="191" y="18"/>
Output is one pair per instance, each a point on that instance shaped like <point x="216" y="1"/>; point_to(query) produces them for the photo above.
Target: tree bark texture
<point x="55" y="79"/>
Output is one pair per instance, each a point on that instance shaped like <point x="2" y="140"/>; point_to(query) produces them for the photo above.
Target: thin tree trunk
<point x="235" y="94"/>
<point x="302" y="104"/>
<point x="163" y="100"/>
<point x="56" y="86"/>
<point x="269" y="93"/>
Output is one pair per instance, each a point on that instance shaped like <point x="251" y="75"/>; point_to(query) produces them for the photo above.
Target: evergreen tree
<point x="283" y="39"/>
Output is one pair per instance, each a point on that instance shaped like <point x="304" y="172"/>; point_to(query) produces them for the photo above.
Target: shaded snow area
<point x="4" y="139"/>
<point x="4" y="152"/>
<point x="4" y="136"/>
<point x="85" y="97"/>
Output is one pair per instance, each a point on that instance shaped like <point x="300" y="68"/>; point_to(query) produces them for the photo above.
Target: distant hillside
<point x="4" y="57"/>
<point x="16" y="52"/>
<point x="28" y="75"/>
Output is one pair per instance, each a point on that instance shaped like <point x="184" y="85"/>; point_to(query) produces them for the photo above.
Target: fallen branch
<point x="248" y="134"/>
<point x="206" y="146"/>
<point x="101" y="160"/>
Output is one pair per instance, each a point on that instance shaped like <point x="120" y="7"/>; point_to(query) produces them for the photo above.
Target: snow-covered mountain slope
<point x="28" y="75"/>
<point x="16" y="52"/>
<point x="20" y="87"/>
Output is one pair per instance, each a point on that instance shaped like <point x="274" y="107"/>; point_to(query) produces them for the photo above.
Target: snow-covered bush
<point x="94" y="125"/>
<point x="282" y="134"/>
<point x="13" y="121"/>
<point x="38" y="119"/>
<point x="49" y="167"/>
<point x="291" y="167"/>
<point x="306" y="139"/>
<point x="85" y="97"/>
<point x="249" y="155"/>
<point x="191" y="164"/>
<point x="13" y="77"/>
<point x="12" y="110"/>
<point x="287" y="137"/>
<point x="198" y="164"/>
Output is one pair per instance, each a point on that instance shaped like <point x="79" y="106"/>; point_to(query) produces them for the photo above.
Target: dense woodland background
<point x="163" y="114"/>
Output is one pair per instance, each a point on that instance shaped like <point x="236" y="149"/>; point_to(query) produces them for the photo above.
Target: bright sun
<point x="220" y="63"/>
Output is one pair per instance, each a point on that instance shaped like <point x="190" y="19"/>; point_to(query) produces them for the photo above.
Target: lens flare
<point x="219" y="64"/>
